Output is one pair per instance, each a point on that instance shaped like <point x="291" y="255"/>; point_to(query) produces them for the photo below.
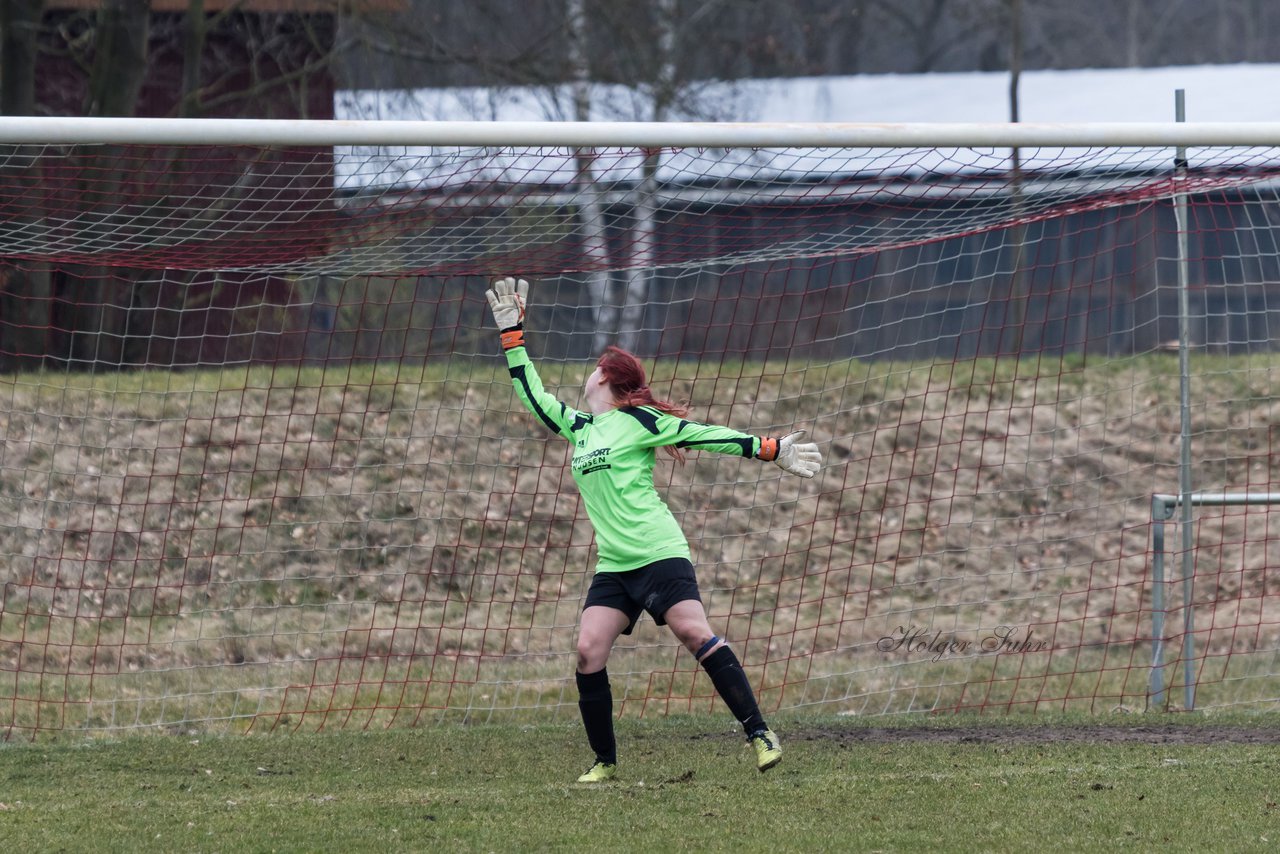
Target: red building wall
<point x="262" y="60"/>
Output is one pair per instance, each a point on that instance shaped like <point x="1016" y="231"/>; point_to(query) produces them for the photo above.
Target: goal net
<point x="261" y="463"/>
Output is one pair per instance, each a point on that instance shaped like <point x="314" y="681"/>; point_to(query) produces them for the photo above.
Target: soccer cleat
<point x="601" y="772"/>
<point x="768" y="750"/>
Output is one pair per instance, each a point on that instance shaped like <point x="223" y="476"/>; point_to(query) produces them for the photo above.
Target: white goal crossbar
<point x="22" y="130"/>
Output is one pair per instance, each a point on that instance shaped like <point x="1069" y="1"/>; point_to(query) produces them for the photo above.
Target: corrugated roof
<point x="1231" y="93"/>
<point x="1213" y="93"/>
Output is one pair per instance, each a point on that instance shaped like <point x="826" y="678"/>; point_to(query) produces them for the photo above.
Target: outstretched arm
<point x="793" y="456"/>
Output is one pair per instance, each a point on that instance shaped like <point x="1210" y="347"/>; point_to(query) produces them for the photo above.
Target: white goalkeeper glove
<point x="798" y="458"/>
<point x="507" y="299"/>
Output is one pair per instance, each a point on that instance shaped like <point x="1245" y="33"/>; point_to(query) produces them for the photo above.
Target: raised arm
<point x="507" y="299"/>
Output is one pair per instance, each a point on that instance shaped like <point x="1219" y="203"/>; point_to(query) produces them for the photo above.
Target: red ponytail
<point x="625" y="376"/>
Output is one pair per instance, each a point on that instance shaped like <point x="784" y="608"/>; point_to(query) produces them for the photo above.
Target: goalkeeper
<point x="644" y="562"/>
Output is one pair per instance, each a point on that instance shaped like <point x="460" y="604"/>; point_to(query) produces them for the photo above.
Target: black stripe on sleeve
<point x="518" y="374"/>
<point x="650" y="422"/>
<point x="747" y="444"/>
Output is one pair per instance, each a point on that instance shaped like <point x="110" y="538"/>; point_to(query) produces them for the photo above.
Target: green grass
<point x="686" y="784"/>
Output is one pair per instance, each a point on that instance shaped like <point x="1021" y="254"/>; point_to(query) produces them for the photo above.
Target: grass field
<point x="1143" y="783"/>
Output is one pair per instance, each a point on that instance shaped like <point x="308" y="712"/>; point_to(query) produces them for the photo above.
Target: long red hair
<point x="625" y="375"/>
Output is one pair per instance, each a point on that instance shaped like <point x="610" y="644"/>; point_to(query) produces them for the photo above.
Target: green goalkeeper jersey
<point x="613" y="458"/>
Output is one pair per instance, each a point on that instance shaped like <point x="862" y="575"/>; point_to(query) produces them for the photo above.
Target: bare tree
<point x="650" y="61"/>
<point x="113" y="60"/>
<point x="115" y="80"/>
<point x="444" y="43"/>
<point x="664" y="90"/>
<point x="19" y="31"/>
<point x="119" y="57"/>
<point x="25" y="292"/>
<point x="194" y="29"/>
<point x="1115" y="33"/>
<point x="589" y="44"/>
<point x="595" y="247"/>
<point x="839" y="45"/>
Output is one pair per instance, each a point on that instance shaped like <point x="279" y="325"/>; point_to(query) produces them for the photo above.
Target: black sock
<point x="595" y="701"/>
<point x="731" y="683"/>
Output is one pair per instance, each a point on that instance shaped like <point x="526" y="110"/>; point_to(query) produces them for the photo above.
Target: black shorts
<point x="654" y="588"/>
